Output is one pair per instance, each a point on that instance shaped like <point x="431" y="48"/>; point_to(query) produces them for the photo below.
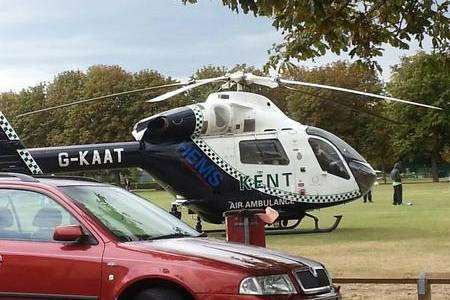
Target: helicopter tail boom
<point x="70" y="158"/>
<point x="87" y="157"/>
<point x="14" y="157"/>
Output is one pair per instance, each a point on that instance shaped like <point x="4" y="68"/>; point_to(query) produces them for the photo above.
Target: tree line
<point x="382" y="132"/>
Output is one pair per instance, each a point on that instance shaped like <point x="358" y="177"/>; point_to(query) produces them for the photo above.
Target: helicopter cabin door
<point x="265" y="159"/>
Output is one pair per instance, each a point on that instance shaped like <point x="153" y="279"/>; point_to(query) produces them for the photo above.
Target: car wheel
<point x="159" y="293"/>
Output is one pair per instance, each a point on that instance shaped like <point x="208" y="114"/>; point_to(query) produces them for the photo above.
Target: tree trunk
<point x="434" y="167"/>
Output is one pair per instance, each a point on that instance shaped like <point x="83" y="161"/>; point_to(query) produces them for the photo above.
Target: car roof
<point x="58" y="182"/>
<point x="55" y="181"/>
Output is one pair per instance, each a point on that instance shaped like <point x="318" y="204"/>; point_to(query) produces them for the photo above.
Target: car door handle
<point x="1" y="260"/>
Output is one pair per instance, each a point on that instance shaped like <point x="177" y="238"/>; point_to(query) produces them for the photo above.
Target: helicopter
<point x="236" y="150"/>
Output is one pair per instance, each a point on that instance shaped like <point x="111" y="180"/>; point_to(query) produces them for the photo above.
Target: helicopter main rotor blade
<point x="99" y="98"/>
<point x="339" y="104"/>
<point x="354" y="92"/>
<point x="189" y="86"/>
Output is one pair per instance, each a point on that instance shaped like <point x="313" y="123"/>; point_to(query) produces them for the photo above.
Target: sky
<point x="41" y="38"/>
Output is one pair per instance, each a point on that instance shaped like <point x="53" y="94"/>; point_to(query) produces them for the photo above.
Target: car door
<point x="32" y="264"/>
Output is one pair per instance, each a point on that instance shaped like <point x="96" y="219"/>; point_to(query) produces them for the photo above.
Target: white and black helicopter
<point x="236" y="150"/>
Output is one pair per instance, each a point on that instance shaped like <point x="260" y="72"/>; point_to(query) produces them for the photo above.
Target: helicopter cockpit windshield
<point x="328" y="158"/>
<point x="347" y="151"/>
<point x="331" y="162"/>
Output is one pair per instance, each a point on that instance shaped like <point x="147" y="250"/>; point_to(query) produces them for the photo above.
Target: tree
<point x="100" y="121"/>
<point x="360" y="27"/>
<point x="141" y="109"/>
<point x="378" y="140"/>
<point x="33" y="131"/>
<point x="66" y="87"/>
<point x="105" y="120"/>
<point x="9" y="103"/>
<point x="423" y="78"/>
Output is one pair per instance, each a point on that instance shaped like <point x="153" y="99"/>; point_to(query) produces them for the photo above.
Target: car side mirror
<point x="68" y="233"/>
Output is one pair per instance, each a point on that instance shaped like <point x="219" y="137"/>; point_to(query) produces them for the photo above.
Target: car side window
<point x="263" y="152"/>
<point x="27" y="215"/>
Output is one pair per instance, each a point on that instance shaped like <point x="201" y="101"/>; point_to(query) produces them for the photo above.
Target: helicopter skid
<point x="292" y="230"/>
<point x="316" y="229"/>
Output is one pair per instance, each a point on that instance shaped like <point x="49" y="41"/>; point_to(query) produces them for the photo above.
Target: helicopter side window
<point x="328" y="158"/>
<point x="263" y="152"/>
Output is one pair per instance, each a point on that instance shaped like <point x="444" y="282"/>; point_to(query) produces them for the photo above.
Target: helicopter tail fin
<point x="7" y="131"/>
<point x="13" y="155"/>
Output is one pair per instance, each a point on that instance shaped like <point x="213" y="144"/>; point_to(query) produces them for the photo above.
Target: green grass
<point x="376" y="239"/>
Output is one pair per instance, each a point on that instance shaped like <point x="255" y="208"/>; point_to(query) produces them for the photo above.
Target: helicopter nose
<point x="364" y="175"/>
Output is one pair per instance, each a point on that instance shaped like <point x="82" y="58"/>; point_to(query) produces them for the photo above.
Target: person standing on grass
<point x="397" y="184"/>
<point x="368" y="196"/>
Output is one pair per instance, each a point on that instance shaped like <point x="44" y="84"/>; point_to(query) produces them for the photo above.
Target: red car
<point x="63" y="238"/>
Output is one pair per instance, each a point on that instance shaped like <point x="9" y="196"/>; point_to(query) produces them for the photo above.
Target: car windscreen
<point x="128" y="216"/>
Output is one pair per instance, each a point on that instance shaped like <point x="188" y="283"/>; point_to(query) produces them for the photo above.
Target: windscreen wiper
<point x="170" y="236"/>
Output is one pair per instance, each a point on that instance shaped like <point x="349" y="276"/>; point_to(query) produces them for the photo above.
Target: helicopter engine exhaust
<point x="174" y="124"/>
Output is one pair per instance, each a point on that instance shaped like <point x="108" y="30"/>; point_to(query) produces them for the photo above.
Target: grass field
<point x="376" y="239"/>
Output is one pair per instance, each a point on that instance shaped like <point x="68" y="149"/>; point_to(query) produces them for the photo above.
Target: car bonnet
<point x="256" y="259"/>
